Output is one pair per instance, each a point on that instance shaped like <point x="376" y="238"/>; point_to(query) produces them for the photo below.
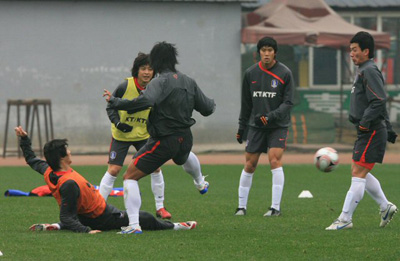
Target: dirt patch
<point x="212" y="159"/>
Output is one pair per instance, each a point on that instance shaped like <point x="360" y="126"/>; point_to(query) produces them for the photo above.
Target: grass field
<point x="297" y="235"/>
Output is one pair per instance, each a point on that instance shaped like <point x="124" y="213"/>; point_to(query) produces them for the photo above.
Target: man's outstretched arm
<point x="25" y="143"/>
<point x="138" y="104"/>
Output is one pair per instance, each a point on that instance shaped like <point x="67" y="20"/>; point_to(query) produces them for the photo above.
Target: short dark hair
<point x="53" y="152"/>
<point x="163" y="57"/>
<point x="141" y="60"/>
<point x="267" y="41"/>
<point x="365" y="41"/>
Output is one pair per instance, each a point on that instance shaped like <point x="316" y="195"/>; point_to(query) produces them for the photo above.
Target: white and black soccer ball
<point x="326" y="159"/>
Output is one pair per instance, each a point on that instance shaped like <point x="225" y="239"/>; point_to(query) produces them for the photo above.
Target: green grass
<point x="297" y="235"/>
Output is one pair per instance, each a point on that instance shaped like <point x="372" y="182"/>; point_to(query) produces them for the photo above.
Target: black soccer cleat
<point x="272" y="213"/>
<point x="240" y="212"/>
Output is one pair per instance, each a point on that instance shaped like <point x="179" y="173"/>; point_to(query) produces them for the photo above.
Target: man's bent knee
<point x="250" y="165"/>
<point x="359" y="171"/>
<point x="133" y="173"/>
<point x="251" y="162"/>
<point x="114" y="169"/>
<point x="275" y="157"/>
<point x="275" y="163"/>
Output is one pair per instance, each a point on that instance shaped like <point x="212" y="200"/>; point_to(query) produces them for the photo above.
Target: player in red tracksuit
<point x="267" y="98"/>
<point x="82" y="208"/>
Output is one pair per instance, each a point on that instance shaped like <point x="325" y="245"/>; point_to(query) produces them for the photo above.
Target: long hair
<point x="141" y="60"/>
<point x="163" y="57"/>
<point x="53" y="152"/>
<point x="365" y="41"/>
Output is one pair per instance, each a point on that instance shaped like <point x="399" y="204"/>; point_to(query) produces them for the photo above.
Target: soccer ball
<point x="326" y="159"/>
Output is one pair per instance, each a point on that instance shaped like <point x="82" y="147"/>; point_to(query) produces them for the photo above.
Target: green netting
<point x="311" y="128"/>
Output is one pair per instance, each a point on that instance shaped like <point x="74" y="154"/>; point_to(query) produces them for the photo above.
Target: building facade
<point x="325" y="75"/>
<point x="69" y="51"/>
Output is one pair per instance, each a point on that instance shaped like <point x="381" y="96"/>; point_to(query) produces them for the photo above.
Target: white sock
<point x="278" y="180"/>
<point x="192" y="166"/>
<point x="157" y="186"/>
<point x="353" y="197"/>
<point x="132" y="201"/>
<point x="107" y="185"/>
<point x="245" y="182"/>
<point x="374" y="189"/>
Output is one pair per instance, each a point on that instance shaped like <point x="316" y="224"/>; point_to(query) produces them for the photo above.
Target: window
<point x="325" y="69"/>
<point x="392" y="25"/>
<point x="366" y="22"/>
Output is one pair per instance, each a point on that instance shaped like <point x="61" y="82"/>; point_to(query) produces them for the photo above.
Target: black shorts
<point x="260" y="140"/>
<point x="113" y="218"/>
<point x="159" y="150"/>
<point x="370" y="146"/>
<point x="119" y="150"/>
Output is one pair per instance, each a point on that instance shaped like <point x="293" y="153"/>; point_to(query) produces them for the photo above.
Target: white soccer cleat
<point x="203" y="187"/>
<point x="44" y="227"/>
<point x="339" y="225"/>
<point x="388" y="214"/>
<point x="188" y="225"/>
<point x="131" y="230"/>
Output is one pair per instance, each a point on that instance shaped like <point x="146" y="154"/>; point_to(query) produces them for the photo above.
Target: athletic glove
<point x="44" y="227"/>
<point x="123" y="127"/>
<point x="239" y="135"/>
<point x="362" y="128"/>
<point x="391" y="136"/>
<point x="261" y="121"/>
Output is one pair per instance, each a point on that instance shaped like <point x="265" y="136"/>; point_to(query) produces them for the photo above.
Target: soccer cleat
<point x="272" y="213"/>
<point x="43" y="227"/>
<point x="339" y="225"/>
<point x="240" y="212"/>
<point x="131" y="230"/>
<point x="203" y="188"/>
<point x="388" y="214"/>
<point x="163" y="213"/>
<point x="185" y="225"/>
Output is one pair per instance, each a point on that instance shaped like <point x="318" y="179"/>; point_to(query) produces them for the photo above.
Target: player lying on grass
<point x="82" y="208"/>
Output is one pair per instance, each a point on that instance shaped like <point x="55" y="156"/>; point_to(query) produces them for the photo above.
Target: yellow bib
<point x="137" y="120"/>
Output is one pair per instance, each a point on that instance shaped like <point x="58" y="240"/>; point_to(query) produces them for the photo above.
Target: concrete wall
<point x="70" y="51"/>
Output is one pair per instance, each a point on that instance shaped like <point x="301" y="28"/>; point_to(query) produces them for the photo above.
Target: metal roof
<point x="221" y="1"/>
<point x="197" y="1"/>
<point x="341" y="3"/>
<point x="362" y="3"/>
